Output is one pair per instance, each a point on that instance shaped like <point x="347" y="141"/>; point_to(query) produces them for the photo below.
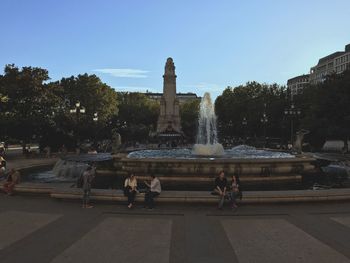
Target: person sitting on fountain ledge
<point x="235" y="191"/>
<point x="221" y="188"/>
<point x="130" y="189"/>
<point x="154" y="190"/>
<point x="12" y="179"/>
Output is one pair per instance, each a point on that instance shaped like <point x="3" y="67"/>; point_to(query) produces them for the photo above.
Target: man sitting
<point x="154" y="190"/>
<point x="220" y="188"/>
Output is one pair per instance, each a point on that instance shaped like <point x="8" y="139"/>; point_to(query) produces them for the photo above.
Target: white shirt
<point x="155" y="185"/>
<point x="130" y="183"/>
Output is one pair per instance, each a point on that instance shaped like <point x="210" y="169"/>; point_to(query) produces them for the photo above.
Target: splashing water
<point x="207" y="139"/>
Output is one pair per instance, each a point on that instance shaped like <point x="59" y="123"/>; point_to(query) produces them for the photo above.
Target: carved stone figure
<point x="298" y="143"/>
<point x="116" y="141"/>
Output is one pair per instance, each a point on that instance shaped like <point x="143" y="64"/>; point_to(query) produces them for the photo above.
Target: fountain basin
<point x="203" y="170"/>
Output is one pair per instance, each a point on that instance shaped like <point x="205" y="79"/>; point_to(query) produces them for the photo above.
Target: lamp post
<point x="95" y="117"/>
<point x="244" y="125"/>
<point x="264" y="120"/>
<point x="78" y="109"/>
<point x="292" y="113"/>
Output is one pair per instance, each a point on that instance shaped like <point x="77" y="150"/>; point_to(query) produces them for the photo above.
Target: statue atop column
<point x="169" y="117"/>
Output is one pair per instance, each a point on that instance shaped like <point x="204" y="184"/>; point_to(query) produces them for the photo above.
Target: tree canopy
<point x="189" y="118"/>
<point x="326" y="109"/>
<point x="33" y="108"/>
<point x="138" y="116"/>
<point x="249" y="102"/>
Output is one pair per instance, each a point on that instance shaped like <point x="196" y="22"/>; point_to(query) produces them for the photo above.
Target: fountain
<point x="207" y="139"/>
<point x="198" y="166"/>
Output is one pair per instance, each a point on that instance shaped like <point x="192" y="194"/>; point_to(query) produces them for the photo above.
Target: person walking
<point x="130" y="189"/>
<point x="88" y="177"/>
<point x="220" y="188"/>
<point x="154" y="191"/>
<point x="12" y="179"/>
<point x="2" y="166"/>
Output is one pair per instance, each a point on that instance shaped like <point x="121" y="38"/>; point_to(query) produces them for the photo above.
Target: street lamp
<point x="244" y="124"/>
<point x="95" y="117"/>
<point x="292" y="113"/>
<point x="244" y="121"/>
<point x="264" y="120"/>
<point x="77" y="110"/>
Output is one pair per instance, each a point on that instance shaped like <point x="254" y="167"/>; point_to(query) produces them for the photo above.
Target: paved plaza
<point x="37" y="229"/>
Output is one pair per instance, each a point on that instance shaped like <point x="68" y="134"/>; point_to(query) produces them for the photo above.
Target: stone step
<point x="64" y="191"/>
<point x="249" y="197"/>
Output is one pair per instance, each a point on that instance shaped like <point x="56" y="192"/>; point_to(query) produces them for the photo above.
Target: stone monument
<point x="298" y="142"/>
<point x="169" y="118"/>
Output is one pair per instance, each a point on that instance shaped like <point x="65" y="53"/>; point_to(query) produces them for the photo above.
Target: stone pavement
<point x="37" y="229"/>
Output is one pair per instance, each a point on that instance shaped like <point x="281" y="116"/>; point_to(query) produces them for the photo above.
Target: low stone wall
<point x="250" y="171"/>
<point x="190" y="197"/>
<point x="213" y="167"/>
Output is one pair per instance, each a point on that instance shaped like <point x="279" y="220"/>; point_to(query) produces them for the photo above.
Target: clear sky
<point x="213" y="43"/>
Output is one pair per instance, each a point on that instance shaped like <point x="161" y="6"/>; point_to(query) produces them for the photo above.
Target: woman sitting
<point x="235" y="191"/>
<point x="130" y="189"/>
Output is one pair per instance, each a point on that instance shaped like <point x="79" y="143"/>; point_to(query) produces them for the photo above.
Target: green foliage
<point x="250" y="101"/>
<point x="137" y="117"/>
<point x="189" y="118"/>
<point x="326" y="109"/>
<point x="31" y="106"/>
<point x="29" y="101"/>
<point x="92" y="93"/>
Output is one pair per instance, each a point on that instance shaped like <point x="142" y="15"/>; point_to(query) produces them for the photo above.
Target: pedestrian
<point x="88" y="177"/>
<point x="2" y="166"/>
<point x="220" y="188"/>
<point x="153" y="191"/>
<point x="130" y="189"/>
<point x="12" y="179"/>
<point x="235" y="191"/>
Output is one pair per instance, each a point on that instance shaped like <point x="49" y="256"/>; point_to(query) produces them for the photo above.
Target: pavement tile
<point x="276" y="240"/>
<point x="122" y="240"/>
<point x="15" y="225"/>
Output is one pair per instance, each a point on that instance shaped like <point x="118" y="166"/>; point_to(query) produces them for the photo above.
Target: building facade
<point x="297" y="84"/>
<point x="337" y="62"/>
<point x="182" y="97"/>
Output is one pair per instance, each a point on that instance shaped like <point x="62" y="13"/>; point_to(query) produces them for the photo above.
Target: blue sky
<point x="213" y="43"/>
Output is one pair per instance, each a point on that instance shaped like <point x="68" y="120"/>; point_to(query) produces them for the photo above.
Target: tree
<point x="250" y="101"/>
<point x="94" y="96"/>
<point x="29" y="101"/>
<point x="138" y="116"/>
<point x="33" y="107"/>
<point x="326" y="109"/>
<point x="189" y="118"/>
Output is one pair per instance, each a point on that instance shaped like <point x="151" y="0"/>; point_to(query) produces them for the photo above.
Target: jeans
<point x="233" y="196"/>
<point x="149" y="199"/>
<point x="131" y="196"/>
<point x="222" y="198"/>
<point x="86" y="196"/>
